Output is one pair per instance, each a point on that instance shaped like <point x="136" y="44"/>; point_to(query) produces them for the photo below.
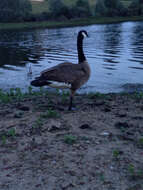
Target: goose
<point x="67" y="74"/>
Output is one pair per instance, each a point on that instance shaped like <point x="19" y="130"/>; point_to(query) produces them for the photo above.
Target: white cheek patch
<point x="84" y="35"/>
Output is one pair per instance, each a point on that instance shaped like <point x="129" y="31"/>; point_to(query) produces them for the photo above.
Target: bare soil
<point x="99" y="146"/>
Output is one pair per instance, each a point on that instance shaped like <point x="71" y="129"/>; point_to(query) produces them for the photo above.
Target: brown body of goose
<point x="67" y="74"/>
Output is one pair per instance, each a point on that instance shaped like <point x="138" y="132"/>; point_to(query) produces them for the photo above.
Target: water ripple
<point x="114" y="52"/>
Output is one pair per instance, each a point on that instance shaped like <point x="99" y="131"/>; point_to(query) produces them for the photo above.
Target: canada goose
<point x="67" y="74"/>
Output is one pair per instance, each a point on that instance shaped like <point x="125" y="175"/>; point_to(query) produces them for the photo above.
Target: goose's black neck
<point x="81" y="56"/>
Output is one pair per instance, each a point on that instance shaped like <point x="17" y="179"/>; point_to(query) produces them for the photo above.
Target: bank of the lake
<point x="42" y="145"/>
<point x="68" y="23"/>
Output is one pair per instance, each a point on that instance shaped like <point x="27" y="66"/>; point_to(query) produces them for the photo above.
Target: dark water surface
<point x="114" y="52"/>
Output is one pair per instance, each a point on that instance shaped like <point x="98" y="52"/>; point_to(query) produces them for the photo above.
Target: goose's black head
<point x="82" y="34"/>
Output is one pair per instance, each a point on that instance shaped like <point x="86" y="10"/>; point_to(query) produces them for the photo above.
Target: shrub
<point x="110" y="8"/>
<point x="136" y="7"/>
<point x="16" y="10"/>
<point x="57" y="8"/>
<point x="81" y="9"/>
<point x="100" y="8"/>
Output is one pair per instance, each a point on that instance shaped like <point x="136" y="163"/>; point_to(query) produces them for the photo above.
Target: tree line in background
<point x="117" y="8"/>
<point x="14" y="10"/>
<point x="21" y="10"/>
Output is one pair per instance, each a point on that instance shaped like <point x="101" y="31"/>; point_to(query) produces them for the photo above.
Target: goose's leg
<point x="71" y="100"/>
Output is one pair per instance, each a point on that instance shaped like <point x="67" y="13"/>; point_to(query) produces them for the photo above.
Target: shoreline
<point x="40" y="140"/>
<point x="69" y="23"/>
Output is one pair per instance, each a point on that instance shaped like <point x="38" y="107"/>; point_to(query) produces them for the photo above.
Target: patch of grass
<point x="138" y="95"/>
<point x="57" y="91"/>
<point x="116" y="154"/>
<point x="102" y="177"/>
<point x="30" y="90"/>
<point x="70" y="139"/>
<point x="4" y="97"/>
<point x="140" y="142"/>
<point x="3" y="139"/>
<point x="99" y="95"/>
<point x="11" y="133"/>
<point x="50" y="114"/>
<point x="135" y="173"/>
<point x="65" y="96"/>
<point x="69" y="23"/>
<point x="6" y="134"/>
<point x="131" y="169"/>
<point x="38" y="123"/>
<point x="13" y="94"/>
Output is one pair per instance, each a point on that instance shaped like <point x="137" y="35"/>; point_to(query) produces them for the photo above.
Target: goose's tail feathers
<point x="39" y="81"/>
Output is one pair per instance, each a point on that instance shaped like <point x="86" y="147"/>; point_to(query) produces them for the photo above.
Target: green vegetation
<point x="70" y="139"/>
<point x="50" y="114"/>
<point x="140" y="142"/>
<point x="63" y="13"/>
<point x="39" y="7"/>
<point x="15" y="94"/>
<point x="65" y="96"/>
<point x="116" y="154"/>
<point x="5" y="135"/>
<point x="17" y="10"/>
<point x="69" y="23"/>
<point x="110" y="8"/>
<point x="134" y="173"/>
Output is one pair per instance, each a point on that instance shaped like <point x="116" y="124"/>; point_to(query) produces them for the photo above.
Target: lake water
<point x="114" y="52"/>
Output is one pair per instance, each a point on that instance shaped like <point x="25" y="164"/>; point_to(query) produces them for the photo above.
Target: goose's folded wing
<point x="64" y="72"/>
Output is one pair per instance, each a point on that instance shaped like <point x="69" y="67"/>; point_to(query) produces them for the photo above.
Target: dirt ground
<point x="99" y="146"/>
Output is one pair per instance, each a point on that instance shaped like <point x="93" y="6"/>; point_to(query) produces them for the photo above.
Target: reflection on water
<point x="114" y="52"/>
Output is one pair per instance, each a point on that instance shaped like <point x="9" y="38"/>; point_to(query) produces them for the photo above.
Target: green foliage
<point x="70" y="139"/>
<point x="4" y="97"/>
<point x="135" y="173"/>
<point x="57" y="8"/>
<point x="136" y="7"/>
<point x="110" y="8"/>
<point x="80" y="9"/>
<point x="16" y="10"/>
<point x="50" y="114"/>
<point x="12" y="132"/>
<point x="3" y="139"/>
<point x="7" y="134"/>
<point x="100" y="8"/>
<point x="131" y="169"/>
<point x="65" y="96"/>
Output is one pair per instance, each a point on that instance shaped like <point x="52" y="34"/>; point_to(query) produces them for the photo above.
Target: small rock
<point x="105" y="134"/>
<point x="54" y="125"/>
<point x="111" y="167"/>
